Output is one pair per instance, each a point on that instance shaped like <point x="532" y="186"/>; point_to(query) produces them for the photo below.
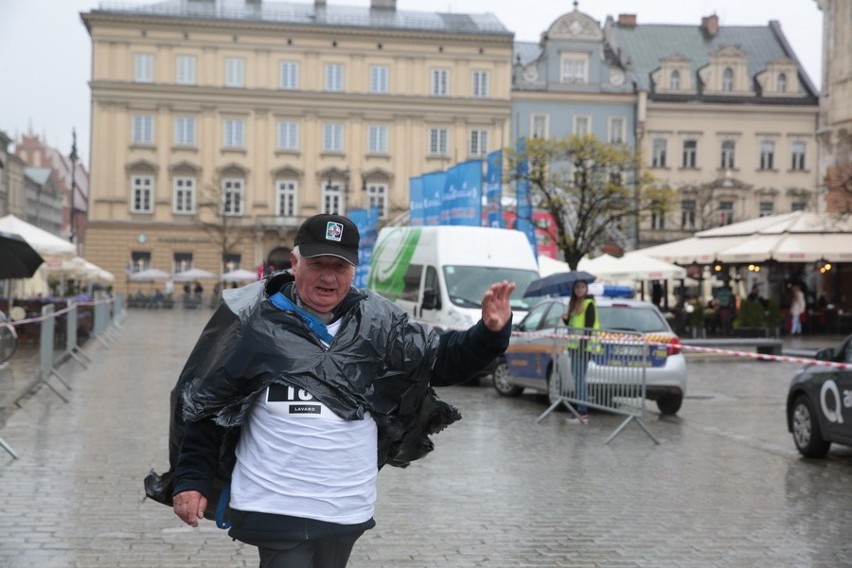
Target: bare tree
<point x="588" y="186"/>
<point x="216" y="205"/>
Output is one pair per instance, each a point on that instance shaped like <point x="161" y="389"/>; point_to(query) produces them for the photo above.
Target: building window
<point x="332" y="138"/>
<point x="687" y="215"/>
<point x="231" y="262"/>
<point x="232" y="197"/>
<point x="440" y="82"/>
<point x="658" y="216"/>
<point x="767" y="208"/>
<point x="286" y="198"/>
<point x="728" y="80"/>
<point x="438" y="141"/>
<point x="674" y="80"/>
<point x="143" y="129"/>
<point x="181" y="262"/>
<point x="234" y="133"/>
<point x="185" y="131"/>
<point x="185" y="69"/>
<point x="658" y="154"/>
<point x="574" y="69"/>
<point x="140" y="260"/>
<point x="332" y="199"/>
<point x="379" y="79"/>
<point x="377" y="197"/>
<point x="377" y="142"/>
<point x="184" y="195"/>
<point x="767" y="155"/>
<point x="288" y="135"/>
<point x="143" y="68"/>
<point x="334" y="77"/>
<point x="480" y="84"/>
<point x="141" y="194"/>
<point x="289" y="75"/>
<point x="798" y="156"/>
<point x="538" y="126"/>
<point x="478" y="143"/>
<point x="797" y="206"/>
<point x="616" y="129"/>
<point x="729" y="148"/>
<point x="726" y="212"/>
<point x="235" y="72"/>
<point x="690" y="153"/>
<point x="782" y="83"/>
<point x="582" y="125"/>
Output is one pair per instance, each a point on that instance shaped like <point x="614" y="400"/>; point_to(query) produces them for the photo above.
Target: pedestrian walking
<point x="581" y="317"/>
<point x="797" y="308"/>
<point x="295" y="396"/>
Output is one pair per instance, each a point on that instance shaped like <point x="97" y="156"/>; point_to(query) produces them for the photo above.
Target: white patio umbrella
<point x="149" y="275"/>
<point x="193" y="274"/>
<point x="239" y="275"/>
<point x="46" y="244"/>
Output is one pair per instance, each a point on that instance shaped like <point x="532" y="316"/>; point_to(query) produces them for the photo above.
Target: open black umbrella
<point x="17" y="258"/>
<point x="559" y="284"/>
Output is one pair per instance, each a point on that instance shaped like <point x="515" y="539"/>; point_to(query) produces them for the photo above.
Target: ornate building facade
<point x="219" y="125"/>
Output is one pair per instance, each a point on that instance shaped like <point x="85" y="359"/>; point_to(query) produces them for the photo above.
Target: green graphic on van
<point x="391" y="260"/>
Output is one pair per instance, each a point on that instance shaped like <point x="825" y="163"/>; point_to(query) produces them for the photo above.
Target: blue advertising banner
<point x="462" y="203"/>
<point x="416" y="202"/>
<point x="524" y="221"/>
<point x="433" y="189"/>
<point x="367" y="221"/>
<point x="494" y="190"/>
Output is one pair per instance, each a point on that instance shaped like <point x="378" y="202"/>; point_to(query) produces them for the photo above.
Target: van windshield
<point x="467" y="284"/>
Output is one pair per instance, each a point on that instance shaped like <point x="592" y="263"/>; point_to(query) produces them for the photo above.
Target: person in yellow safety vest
<point x="580" y="317"/>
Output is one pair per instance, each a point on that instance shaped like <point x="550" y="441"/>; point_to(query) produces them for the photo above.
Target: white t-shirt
<point x="295" y="457"/>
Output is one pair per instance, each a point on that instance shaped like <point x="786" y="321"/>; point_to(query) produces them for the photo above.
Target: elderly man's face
<point x="323" y="281"/>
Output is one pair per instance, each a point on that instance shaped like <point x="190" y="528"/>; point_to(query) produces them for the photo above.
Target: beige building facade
<point x="218" y="126"/>
<point x="726" y="117"/>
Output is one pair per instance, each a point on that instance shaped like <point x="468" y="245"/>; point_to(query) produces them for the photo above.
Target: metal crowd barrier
<point x="108" y="316"/>
<point x="601" y="369"/>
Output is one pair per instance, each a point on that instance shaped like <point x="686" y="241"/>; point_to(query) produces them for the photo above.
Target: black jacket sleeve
<point x="463" y="353"/>
<point x="198" y="459"/>
<point x="591" y="316"/>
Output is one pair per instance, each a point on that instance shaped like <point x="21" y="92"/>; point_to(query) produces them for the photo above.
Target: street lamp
<point x="73" y="157"/>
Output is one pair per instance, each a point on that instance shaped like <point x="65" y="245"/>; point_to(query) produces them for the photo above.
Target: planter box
<point x="750" y="332"/>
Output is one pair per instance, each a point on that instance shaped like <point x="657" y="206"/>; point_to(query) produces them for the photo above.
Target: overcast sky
<point x="45" y="51"/>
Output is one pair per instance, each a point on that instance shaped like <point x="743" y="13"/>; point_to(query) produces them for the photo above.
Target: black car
<point x="819" y="404"/>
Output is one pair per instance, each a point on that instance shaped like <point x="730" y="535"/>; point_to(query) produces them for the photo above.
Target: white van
<point x="439" y="273"/>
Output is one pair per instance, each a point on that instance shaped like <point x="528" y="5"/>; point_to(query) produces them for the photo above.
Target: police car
<point x="819" y="402"/>
<point x="538" y="350"/>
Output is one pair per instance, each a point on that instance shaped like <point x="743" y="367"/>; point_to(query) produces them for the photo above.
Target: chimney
<point x="710" y="25"/>
<point x="319" y="3"/>
<point x="627" y="20"/>
<point x="383" y="5"/>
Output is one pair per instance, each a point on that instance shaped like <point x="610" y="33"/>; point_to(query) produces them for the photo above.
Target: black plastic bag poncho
<point x="379" y="362"/>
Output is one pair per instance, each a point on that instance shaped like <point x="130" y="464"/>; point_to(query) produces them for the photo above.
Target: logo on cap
<point x="333" y="231"/>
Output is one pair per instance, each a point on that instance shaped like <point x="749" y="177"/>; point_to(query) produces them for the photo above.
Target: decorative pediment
<point x="378" y="175"/>
<point x="142" y="166"/>
<point x="287" y="172"/>
<point x="727" y="182"/>
<point x="575" y="26"/>
<point x="232" y="170"/>
<point x="184" y="167"/>
<point x="728" y="51"/>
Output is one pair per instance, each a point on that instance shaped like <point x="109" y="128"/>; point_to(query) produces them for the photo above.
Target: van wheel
<point x="502" y="380"/>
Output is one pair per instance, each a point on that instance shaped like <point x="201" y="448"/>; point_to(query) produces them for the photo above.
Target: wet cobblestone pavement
<point x="724" y="488"/>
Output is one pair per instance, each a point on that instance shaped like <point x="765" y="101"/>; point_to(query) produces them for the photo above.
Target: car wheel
<point x="806" y="431"/>
<point x="502" y="380"/>
<point x="669" y="403"/>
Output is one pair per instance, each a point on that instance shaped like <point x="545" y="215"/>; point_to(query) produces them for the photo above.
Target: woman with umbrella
<point x="581" y="317"/>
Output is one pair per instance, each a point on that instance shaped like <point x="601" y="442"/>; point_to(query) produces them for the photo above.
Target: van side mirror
<point x="431" y="300"/>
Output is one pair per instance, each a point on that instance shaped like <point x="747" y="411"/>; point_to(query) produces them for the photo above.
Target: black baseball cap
<point x="329" y="235"/>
